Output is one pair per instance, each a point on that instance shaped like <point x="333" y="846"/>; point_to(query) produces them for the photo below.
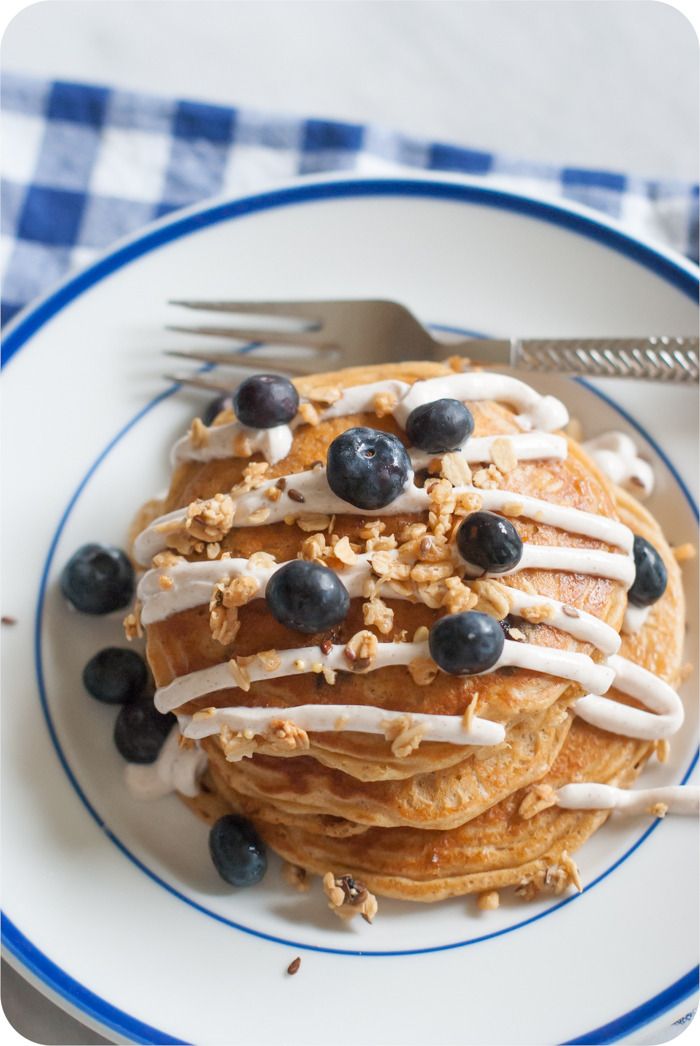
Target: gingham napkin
<point x="84" y="165"/>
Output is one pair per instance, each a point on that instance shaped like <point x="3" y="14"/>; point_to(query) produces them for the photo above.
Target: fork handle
<point x="671" y="360"/>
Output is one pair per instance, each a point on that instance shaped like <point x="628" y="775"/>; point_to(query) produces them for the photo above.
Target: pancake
<point x="183" y="643"/>
<point x="397" y="805"/>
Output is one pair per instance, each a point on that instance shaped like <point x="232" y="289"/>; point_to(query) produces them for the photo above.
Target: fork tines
<point x="309" y="335"/>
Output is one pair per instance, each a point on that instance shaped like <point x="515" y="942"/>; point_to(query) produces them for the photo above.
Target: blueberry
<point x="367" y="468"/>
<point x="140" y="731"/>
<point x="440" y="426"/>
<point x="650" y="577"/>
<point x="115" y="675"/>
<point x="98" y="579"/>
<point x="467" y="643"/>
<point x="265" y="400"/>
<point x="307" y="596"/>
<point x="489" y="541"/>
<point x="237" y="852"/>
<point x="214" y="408"/>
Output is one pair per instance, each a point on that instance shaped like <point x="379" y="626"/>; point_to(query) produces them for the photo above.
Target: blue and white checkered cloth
<point x="84" y="165"/>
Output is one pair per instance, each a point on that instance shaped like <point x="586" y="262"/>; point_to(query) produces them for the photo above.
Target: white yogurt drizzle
<point x="536" y="411"/>
<point x="365" y="719"/>
<point x="664" y="719"/>
<point x="616" y="455"/>
<point x="564" y="664"/>
<point x="528" y="446"/>
<point x="634" y="619"/>
<point x="587" y="561"/>
<point x="666" y="709"/>
<point x="175" y="770"/>
<point x="221" y="440"/>
<point x="318" y="498"/>
<point x="679" y="799"/>
<point x="192" y="585"/>
<point x="312" y="487"/>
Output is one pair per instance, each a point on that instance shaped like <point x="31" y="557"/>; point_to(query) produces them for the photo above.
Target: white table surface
<point x="610" y="85"/>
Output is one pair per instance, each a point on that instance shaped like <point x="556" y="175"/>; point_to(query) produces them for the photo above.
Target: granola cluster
<point x="206" y="523"/>
<point x="227" y="598"/>
<point x="555" y="877"/>
<point x="348" y="897"/>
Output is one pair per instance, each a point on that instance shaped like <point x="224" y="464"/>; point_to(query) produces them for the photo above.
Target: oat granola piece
<point x="383" y="403"/>
<point x="238" y="591"/>
<point x="210" y="519"/>
<point x="387" y="566"/>
<point x="314" y="547"/>
<point x="361" y="650"/>
<point x="488" y="902"/>
<point x="313" y="521"/>
<point x="488" y="478"/>
<point x="492" y="598"/>
<point x="427" y="573"/>
<point x="470" y="711"/>
<point x="224" y="622"/>
<point x="308" y="414"/>
<point x="503" y="454"/>
<point x="558" y="876"/>
<point x="423" y="671"/>
<point x="371" y="529"/>
<point x="411" y="531"/>
<point x="132" y="623"/>
<point x="384" y="543"/>
<point x="240" y="673"/>
<point x="528" y="889"/>
<point x="455" y="468"/>
<point x="377" y="614"/>
<point x="198" y="434"/>
<point x="661" y="750"/>
<point x="348" y="897"/>
<point x="658" y="810"/>
<point x="537" y="614"/>
<point x="458" y="596"/>
<point x="269" y="659"/>
<point x="237" y="744"/>
<point x="343" y="551"/>
<point x="467" y="502"/>
<point x="404" y="735"/>
<point x="167" y="559"/>
<point x="261" y="561"/>
<point x="286" y="736"/>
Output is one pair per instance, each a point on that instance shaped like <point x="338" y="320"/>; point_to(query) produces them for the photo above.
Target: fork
<point x="358" y="332"/>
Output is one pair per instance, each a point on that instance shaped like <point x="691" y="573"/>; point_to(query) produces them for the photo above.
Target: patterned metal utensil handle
<point x="655" y="359"/>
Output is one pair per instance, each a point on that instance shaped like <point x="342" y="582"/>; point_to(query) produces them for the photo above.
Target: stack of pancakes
<point x="441" y="819"/>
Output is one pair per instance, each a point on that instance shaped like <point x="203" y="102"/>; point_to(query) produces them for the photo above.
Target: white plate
<point x="114" y="906"/>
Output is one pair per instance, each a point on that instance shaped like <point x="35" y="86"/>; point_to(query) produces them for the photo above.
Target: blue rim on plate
<point x="683" y="276"/>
